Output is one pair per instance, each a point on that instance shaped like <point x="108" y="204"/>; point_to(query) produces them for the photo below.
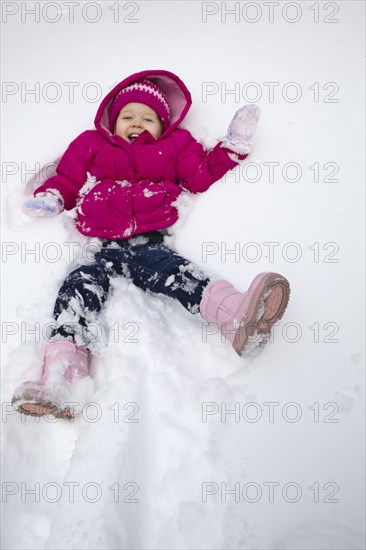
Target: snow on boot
<point x="64" y="387"/>
<point x="246" y="318"/>
<point x="242" y="128"/>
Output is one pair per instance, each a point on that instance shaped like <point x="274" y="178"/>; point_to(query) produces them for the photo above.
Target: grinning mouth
<point x="133" y="136"/>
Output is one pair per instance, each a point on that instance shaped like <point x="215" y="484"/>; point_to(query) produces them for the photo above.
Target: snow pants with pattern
<point x="146" y="261"/>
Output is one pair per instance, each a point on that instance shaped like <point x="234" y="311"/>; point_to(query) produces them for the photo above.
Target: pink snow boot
<point x="64" y="382"/>
<point x="246" y="318"/>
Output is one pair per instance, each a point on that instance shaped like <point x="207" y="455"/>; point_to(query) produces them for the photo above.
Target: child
<point x="124" y="178"/>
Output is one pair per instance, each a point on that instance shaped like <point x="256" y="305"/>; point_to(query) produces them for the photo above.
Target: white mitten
<point x="239" y="137"/>
<point x="45" y="204"/>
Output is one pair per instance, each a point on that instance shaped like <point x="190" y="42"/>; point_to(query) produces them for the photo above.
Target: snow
<point x="91" y="181"/>
<point x="185" y="444"/>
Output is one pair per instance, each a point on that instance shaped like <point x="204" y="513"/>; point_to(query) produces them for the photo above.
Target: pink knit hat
<point x="142" y="91"/>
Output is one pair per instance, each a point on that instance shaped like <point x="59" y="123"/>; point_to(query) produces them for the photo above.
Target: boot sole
<point x="44" y="409"/>
<point x="32" y="405"/>
<point x="267" y="306"/>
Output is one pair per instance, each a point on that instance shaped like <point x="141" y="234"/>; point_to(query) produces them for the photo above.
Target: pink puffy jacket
<point x="121" y="188"/>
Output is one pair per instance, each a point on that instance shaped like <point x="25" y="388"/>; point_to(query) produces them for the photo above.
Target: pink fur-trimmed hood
<point x="176" y="92"/>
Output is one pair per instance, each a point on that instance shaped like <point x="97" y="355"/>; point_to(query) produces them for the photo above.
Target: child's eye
<point x="127" y="117"/>
<point x="149" y="120"/>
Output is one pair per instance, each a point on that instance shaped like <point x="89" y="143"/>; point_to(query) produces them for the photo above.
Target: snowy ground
<point x="158" y="461"/>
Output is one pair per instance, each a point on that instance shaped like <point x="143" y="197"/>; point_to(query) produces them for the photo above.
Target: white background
<point x="170" y="453"/>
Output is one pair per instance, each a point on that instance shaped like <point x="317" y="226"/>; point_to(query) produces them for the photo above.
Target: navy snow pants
<point x="145" y="260"/>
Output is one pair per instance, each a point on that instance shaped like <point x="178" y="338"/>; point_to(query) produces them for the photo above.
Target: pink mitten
<point x="46" y="204"/>
<point x="242" y="128"/>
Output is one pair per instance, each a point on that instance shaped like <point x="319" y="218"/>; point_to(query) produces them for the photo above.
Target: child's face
<point x="134" y="119"/>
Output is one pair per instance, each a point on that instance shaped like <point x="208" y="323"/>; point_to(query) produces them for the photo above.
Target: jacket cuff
<point x="233" y="155"/>
<point x="57" y="194"/>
